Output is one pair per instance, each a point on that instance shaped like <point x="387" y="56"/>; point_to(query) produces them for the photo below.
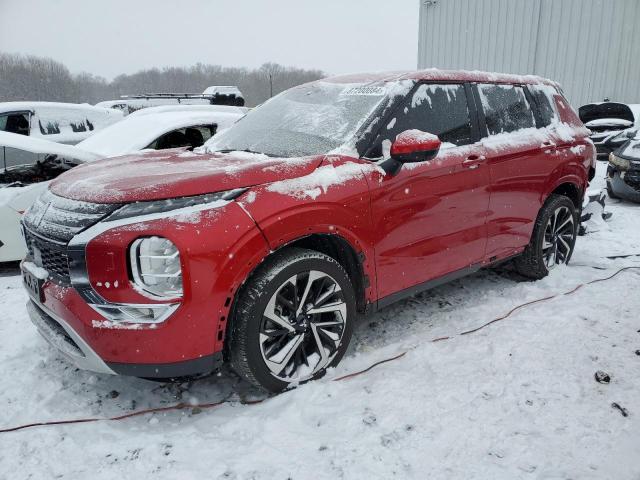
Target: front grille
<point x="50" y="224"/>
<point x="50" y="255"/>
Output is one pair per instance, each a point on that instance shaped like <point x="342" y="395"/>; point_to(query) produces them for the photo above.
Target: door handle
<point x="549" y="147"/>
<point x="473" y="161"/>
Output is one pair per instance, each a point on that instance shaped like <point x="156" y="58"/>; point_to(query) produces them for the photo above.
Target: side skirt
<point x="436" y="282"/>
<point x="429" y="284"/>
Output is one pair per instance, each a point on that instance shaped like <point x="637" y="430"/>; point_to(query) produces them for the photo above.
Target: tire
<point x="276" y="339"/>
<point x="549" y="248"/>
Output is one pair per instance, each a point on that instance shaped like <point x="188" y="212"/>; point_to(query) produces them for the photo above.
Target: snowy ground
<point x="515" y="400"/>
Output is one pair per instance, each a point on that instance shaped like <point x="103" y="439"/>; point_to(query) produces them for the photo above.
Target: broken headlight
<point x="621" y="163"/>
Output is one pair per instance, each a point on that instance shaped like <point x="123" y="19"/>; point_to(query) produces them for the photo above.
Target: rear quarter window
<point x="543" y="96"/>
<point x="506" y="108"/>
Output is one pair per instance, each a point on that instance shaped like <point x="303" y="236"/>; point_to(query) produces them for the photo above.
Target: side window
<point x="545" y="103"/>
<point x="435" y="108"/>
<point x="184" y="137"/>
<point x="506" y="108"/>
<point x="15" y="123"/>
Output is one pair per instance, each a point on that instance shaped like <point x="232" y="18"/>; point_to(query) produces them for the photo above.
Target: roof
<point x="434" y="74"/>
<point x="15" y="106"/>
<point x="204" y="109"/>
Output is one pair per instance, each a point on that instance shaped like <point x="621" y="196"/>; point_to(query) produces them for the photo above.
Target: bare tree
<point x="39" y="78"/>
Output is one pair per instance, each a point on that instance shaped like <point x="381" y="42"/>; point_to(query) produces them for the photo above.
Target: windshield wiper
<point x="229" y="150"/>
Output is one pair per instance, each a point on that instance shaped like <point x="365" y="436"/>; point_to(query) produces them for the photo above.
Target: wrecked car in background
<point x="611" y="124"/>
<point x="623" y="171"/>
<point x="157" y="128"/>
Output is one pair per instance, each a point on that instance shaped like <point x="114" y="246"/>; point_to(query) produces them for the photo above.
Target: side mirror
<point x="411" y="146"/>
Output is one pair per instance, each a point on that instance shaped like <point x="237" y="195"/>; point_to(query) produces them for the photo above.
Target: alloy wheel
<point x="302" y="326"/>
<point x="559" y="237"/>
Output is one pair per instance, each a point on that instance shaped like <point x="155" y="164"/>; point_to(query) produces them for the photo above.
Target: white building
<point x="592" y="47"/>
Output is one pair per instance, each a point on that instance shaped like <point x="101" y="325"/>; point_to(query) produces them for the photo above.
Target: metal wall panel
<point x="592" y="47"/>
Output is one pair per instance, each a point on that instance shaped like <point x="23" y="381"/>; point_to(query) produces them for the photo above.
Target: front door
<point x="429" y="218"/>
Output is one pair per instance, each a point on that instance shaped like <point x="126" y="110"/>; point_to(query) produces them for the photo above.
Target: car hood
<point x="175" y="173"/>
<point x="607" y="110"/>
<point x="46" y="147"/>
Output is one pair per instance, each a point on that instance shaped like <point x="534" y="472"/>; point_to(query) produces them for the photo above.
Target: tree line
<point x="27" y="77"/>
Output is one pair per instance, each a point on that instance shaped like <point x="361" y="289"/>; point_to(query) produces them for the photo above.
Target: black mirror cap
<point x="392" y="165"/>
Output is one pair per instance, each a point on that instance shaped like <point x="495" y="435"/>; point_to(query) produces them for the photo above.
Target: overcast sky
<point x="122" y="36"/>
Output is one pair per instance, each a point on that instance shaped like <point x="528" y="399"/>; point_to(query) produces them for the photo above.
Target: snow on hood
<point x="157" y="175"/>
<point x="37" y="145"/>
<point x="608" y="122"/>
<point x="137" y="131"/>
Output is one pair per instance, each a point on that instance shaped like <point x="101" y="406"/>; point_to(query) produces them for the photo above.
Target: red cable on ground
<point x="181" y="406"/>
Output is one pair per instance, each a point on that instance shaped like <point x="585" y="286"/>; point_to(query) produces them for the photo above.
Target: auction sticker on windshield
<point x="371" y="91"/>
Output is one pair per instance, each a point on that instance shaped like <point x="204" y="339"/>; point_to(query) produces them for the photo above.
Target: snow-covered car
<point x="157" y="128"/>
<point x="160" y="128"/>
<point x="623" y="171"/>
<point x="66" y="123"/>
<point x="611" y="124"/>
<point x="17" y="194"/>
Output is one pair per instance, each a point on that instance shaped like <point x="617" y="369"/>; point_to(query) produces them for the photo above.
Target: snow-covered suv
<point x="334" y="198"/>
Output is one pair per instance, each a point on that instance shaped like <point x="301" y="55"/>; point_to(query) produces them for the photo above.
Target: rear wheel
<point x="553" y="238"/>
<point x="293" y="320"/>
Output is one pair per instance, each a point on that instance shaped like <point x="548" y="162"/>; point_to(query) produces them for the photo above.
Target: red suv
<point x="333" y="199"/>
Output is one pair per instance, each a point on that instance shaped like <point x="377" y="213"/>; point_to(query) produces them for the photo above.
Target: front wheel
<point x="293" y="320"/>
<point x="553" y="239"/>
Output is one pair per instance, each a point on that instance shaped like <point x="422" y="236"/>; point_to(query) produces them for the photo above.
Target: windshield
<point x="311" y="119"/>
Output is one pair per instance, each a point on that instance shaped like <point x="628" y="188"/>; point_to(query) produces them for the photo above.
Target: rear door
<point x="520" y="158"/>
<point x="429" y="218"/>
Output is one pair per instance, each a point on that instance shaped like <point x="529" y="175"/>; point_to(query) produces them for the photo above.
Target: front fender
<point x="332" y="200"/>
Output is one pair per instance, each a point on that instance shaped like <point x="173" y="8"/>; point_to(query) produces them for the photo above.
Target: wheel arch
<point x="570" y="188"/>
<point x="331" y="244"/>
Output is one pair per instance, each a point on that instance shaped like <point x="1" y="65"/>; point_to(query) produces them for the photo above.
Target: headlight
<point x="621" y="163"/>
<point x="139" y="209"/>
<point x="155" y="267"/>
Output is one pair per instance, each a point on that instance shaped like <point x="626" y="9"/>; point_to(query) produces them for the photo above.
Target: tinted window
<point x="438" y="109"/>
<point x="15" y="123"/>
<point x="184" y="137"/>
<point x="506" y="108"/>
<point x="546" y="105"/>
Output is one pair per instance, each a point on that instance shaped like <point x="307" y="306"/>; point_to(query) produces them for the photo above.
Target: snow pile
<point x="609" y="122"/>
<point x="38" y="272"/>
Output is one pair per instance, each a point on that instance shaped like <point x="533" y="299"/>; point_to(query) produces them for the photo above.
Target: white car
<point x="156" y="128"/>
<point x="57" y="122"/>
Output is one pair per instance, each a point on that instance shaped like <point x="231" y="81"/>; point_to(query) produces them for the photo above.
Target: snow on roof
<point x="14" y="106"/>
<point x="37" y="145"/>
<point x="440" y="75"/>
<point x="138" y="130"/>
<point x="189" y="108"/>
<point x="223" y="89"/>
